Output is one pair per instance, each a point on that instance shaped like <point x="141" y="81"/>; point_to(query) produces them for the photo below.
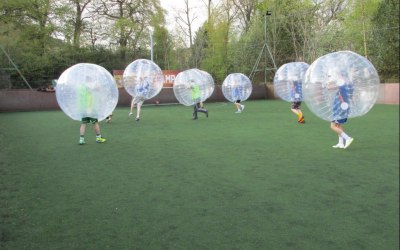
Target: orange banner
<point x="169" y="77"/>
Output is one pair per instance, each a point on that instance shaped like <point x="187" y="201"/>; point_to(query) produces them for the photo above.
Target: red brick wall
<point x="389" y="93"/>
<point x="28" y="100"/>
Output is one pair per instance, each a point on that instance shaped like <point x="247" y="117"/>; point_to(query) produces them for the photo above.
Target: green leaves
<point x="45" y="36"/>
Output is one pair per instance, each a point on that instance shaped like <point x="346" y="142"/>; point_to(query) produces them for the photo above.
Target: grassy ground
<point x="256" y="180"/>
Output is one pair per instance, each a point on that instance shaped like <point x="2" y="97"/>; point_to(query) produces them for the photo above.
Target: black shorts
<point x="237" y="101"/>
<point x="89" y="120"/>
<point x="296" y="105"/>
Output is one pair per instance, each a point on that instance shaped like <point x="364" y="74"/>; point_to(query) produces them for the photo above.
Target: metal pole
<point x="265" y="46"/>
<point x="151" y="44"/>
<point x="265" y="39"/>
<point x="364" y="31"/>
<point x="15" y="66"/>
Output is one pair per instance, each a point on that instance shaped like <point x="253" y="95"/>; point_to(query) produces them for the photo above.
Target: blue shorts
<point x="340" y="121"/>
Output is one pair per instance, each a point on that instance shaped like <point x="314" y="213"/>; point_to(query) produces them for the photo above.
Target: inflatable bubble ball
<point x="191" y="79"/>
<point x="288" y="81"/>
<point x="210" y="89"/>
<point x="87" y="90"/>
<point x="143" y="79"/>
<point x="341" y="85"/>
<point x="236" y="86"/>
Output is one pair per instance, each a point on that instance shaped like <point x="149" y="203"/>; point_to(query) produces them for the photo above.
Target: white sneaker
<point x="81" y="140"/>
<point x="242" y="106"/>
<point x="238" y="112"/>
<point x="338" y="146"/>
<point x="348" y="142"/>
<point x="130" y="113"/>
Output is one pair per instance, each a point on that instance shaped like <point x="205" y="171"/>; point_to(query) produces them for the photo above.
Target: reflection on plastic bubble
<point x="143" y="79"/>
<point x="236" y="86"/>
<point x="210" y="89"/>
<point x="187" y="80"/>
<point x="341" y="85"/>
<point x="288" y="81"/>
<point x="344" y="105"/>
<point x="86" y="90"/>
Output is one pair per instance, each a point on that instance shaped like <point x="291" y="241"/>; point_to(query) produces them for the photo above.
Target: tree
<point x="185" y="21"/>
<point x="384" y="51"/>
<point x="199" y="46"/>
<point x="130" y="19"/>
<point x="299" y="24"/>
<point x="163" y="46"/>
<point x="246" y="10"/>
<point x="80" y="6"/>
<point x="215" y="59"/>
<point x="216" y="40"/>
<point x="357" y="25"/>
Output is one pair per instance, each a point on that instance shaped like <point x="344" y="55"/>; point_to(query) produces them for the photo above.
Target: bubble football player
<point x="196" y="98"/>
<point x="236" y="95"/>
<point x="296" y="104"/>
<point x="341" y="109"/>
<point x="86" y="104"/>
<point x="109" y="118"/>
<point x="132" y="106"/>
<point x="142" y="90"/>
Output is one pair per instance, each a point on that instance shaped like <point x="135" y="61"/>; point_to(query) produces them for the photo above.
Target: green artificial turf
<point x="256" y="180"/>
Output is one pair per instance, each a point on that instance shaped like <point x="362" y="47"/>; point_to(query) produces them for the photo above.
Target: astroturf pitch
<point x="255" y="180"/>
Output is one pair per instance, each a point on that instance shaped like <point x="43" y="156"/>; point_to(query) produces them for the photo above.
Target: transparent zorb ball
<point x="236" y="86"/>
<point x="189" y="80"/>
<point x="87" y="90"/>
<point x="341" y="85"/>
<point x="143" y="79"/>
<point x="288" y="81"/>
<point x="211" y="86"/>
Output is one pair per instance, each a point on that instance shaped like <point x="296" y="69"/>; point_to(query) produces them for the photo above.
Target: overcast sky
<point x="174" y="7"/>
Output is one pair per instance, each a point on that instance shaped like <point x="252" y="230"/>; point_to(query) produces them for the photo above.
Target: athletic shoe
<point x="338" y="146"/>
<point x="81" y="141"/>
<point x="137" y="119"/>
<point x="348" y="142"/>
<point x="130" y="113"/>
<point x="242" y="106"/>
<point x="100" y="139"/>
<point x="301" y="120"/>
<point x="237" y="112"/>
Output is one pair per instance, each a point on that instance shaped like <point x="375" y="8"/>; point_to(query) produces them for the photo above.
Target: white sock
<point x="340" y="140"/>
<point x="345" y="136"/>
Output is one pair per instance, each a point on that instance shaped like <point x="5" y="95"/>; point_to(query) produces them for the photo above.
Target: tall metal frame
<point x="265" y="49"/>
<point x="15" y="67"/>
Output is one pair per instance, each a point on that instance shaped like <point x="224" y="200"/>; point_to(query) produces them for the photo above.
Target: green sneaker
<point x="81" y="141"/>
<point x="100" y="139"/>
